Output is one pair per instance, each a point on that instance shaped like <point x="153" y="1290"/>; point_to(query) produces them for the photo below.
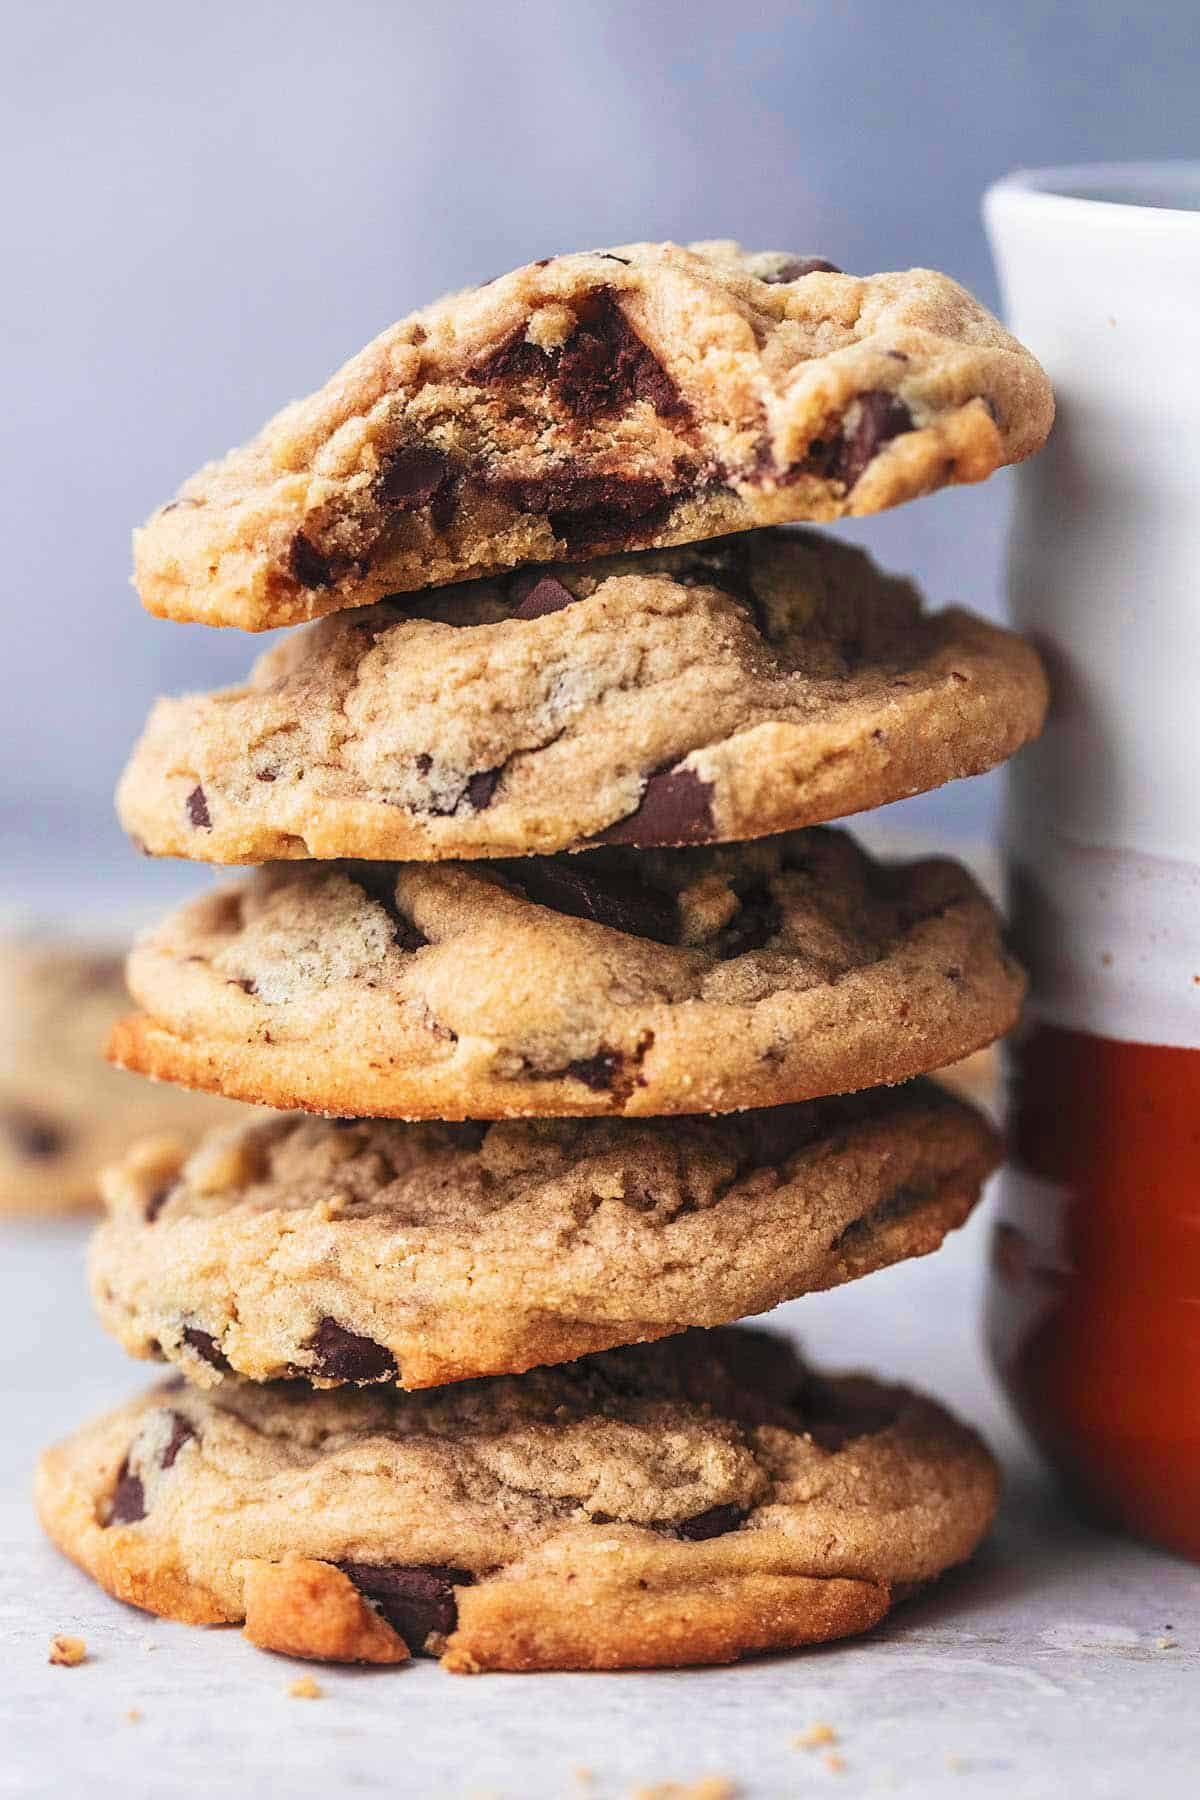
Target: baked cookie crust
<point x="686" y="1502"/>
<point x="649" y="982"/>
<point x="591" y="403"/>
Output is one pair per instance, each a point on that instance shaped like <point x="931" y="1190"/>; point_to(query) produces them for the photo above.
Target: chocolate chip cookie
<point x="64" y="1112"/>
<point x="380" y="1251"/>
<point x="685" y="1502"/>
<point x="593" y="403"/>
<point x="640" y="982"/>
<point x="735" y="688"/>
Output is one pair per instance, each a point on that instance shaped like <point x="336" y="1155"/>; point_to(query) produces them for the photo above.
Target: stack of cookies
<point x="580" y="1036"/>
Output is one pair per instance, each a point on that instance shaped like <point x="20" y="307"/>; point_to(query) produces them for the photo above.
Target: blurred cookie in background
<point x="64" y="1111"/>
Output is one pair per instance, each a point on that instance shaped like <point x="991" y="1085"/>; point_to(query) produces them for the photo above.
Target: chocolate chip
<point x="181" y="1431"/>
<point x="881" y="417"/>
<point x="32" y="1134"/>
<point x="584" y="889"/>
<point x="417" y="1602"/>
<point x="310" y="568"/>
<point x="604" y="367"/>
<point x="588" y="511"/>
<point x="247" y="983"/>
<point x="266" y="774"/>
<point x="597" y="1072"/>
<point x="675" y="808"/>
<point x="608" y="256"/>
<point x="546" y="596"/>
<point x="797" y="267"/>
<point x="481" y="788"/>
<point x="412" y="477"/>
<point x="346" y="1356"/>
<point x="715" y="1522"/>
<point x="197" y="809"/>
<point x="206" y="1346"/>
<point x="128" y="1502"/>
<point x="378" y="885"/>
<point x="755" y="923"/>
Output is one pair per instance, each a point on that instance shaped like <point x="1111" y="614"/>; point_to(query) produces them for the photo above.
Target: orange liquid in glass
<point x="1094" y="1302"/>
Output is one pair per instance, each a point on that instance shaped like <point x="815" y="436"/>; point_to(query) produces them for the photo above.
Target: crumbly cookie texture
<point x="684" y="1502"/>
<point x="721" y="692"/>
<point x="64" y="1112"/>
<point x="380" y="1251"/>
<point x="592" y="403"/>
<point x="640" y="982"/>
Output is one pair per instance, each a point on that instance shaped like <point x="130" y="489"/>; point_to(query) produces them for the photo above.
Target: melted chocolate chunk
<point x="206" y="1346"/>
<point x="755" y="923"/>
<point x="602" y="369"/>
<point x="158" y="1199"/>
<point x="32" y="1134"/>
<point x="181" y="1431"/>
<point x="606" y="896"/>
<point x="128" y="1502"/>
<point x="835" y="1414"/>
<point x="197" y="809"/>
<point x="545" y="597"/>
<point x="597" y="1072"/>
<point x="412" y="477"/>
<point x="346" y="1356"/>
<point x="715" y="1522"/>
<point x="797" y="267"/>
<point x="310" y="568"/>
<point x="481" y="788"/>
<point x="675" y="808"/>
<point x="380" y="887"/>
<point x="417" y="1602"/>
<point x="587" y="511"/>
<point x="881" y="417"/>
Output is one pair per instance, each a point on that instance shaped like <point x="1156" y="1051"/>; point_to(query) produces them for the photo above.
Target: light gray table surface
<point x="1040" y="1670"/>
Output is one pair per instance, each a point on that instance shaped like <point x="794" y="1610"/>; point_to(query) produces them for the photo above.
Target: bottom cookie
<point x="690" y="1501"/>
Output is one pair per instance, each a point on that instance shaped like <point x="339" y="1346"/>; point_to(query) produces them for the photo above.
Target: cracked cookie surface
<point x="381" y="1251"/>
<point x="64" y="1113"/>
<point x="725" y="691"/>
<point x="638" y="982"/>
<point x="684" y="1502"/>
<point x="593" y="403"/>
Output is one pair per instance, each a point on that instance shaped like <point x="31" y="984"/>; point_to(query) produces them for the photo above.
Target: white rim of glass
<point x="1135" y="195"/>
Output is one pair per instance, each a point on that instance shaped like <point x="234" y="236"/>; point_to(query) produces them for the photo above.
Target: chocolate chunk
<point x="608" y="256"/>
<point x="247" y="983"/>
<point x="378" y="885"/>
<point x="546" y="596"/>
<point x="675" y="808"/>
<point x="715" y="1522"/>
<point x="32" y="1134"/>
<point x="412" y="477"/>
<point x="777" y="1132"/>
<point x="158" y="1199"/>
<point x="181" y="1431"/>
<point x="346" y="1356"/>
<point x="755" y="923"/>
<point x="597" y="1072"/>
<point x="835" y="1413"/>
<point x="588" y="511"/>
<point x="266" y="774"/>
<point x="797" y="267"/>
<point x="481" y="788"/>
<point x="604" y="367"/>
<point x="197" y="809"/>
<point x="206" y="1346"/>
<point x="310" y="568"/>
<point x="881" y="417"/>
<point x="128" y="1502"/>
<point x="585" y="889"/>
<point x="417" y="1602"/>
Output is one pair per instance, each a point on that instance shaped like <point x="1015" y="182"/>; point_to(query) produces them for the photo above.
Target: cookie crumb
<point x="1167" y="1643"/>
<point x="814" y="1736"/>
<point x="134" y="1715"/>
<point x="585" y="1778"/>
<point x="67" y="1651"/>
<point x="709" y="1787"/>
<point x="306" y="1689"/>
<point x="833" y="1762"/>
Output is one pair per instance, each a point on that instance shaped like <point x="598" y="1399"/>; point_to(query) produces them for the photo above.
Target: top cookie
<point x="723" y="691"/>
<point x="591" y="403"/>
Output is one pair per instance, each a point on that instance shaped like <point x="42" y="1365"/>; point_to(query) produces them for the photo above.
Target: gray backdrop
<point x="210" y="207"/>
